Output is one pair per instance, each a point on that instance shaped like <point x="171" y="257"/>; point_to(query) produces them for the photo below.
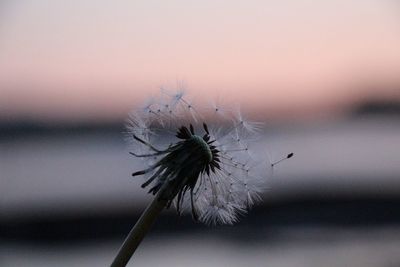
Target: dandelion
<point x="205" y="168"/>
<point x="200" y="160"/>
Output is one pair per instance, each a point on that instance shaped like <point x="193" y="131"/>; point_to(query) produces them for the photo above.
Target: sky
<point x="96" y="60"/>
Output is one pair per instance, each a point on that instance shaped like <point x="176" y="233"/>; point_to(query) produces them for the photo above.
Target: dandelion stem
<point x="139" y="231"/>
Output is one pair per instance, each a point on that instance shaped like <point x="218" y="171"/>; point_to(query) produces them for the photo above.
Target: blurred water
<point x="300" y="247"/>
<point x="72" y="176"/>
<point x="91" y="172"/>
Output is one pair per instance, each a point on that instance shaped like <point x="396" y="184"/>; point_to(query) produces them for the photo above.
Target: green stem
<point x="139" y="231"/>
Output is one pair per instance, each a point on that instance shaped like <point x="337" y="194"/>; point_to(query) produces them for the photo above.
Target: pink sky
<point x="98" y="59"/>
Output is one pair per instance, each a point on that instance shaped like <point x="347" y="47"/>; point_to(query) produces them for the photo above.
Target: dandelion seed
<point x="200" y="167"/>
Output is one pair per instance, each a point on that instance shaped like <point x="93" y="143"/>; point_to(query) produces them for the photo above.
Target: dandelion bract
<point x="199" y="158"/>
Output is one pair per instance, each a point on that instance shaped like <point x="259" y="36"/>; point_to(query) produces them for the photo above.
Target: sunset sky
<point x="84" y="60"/>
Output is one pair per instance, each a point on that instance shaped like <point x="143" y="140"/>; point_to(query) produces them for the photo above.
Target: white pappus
<point x="199" y="159"/>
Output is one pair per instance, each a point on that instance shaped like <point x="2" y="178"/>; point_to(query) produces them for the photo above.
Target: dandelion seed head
<point x="205" y="167"/>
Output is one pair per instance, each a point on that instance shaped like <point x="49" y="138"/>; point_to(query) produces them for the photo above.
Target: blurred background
<point x="322" y="75"/>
